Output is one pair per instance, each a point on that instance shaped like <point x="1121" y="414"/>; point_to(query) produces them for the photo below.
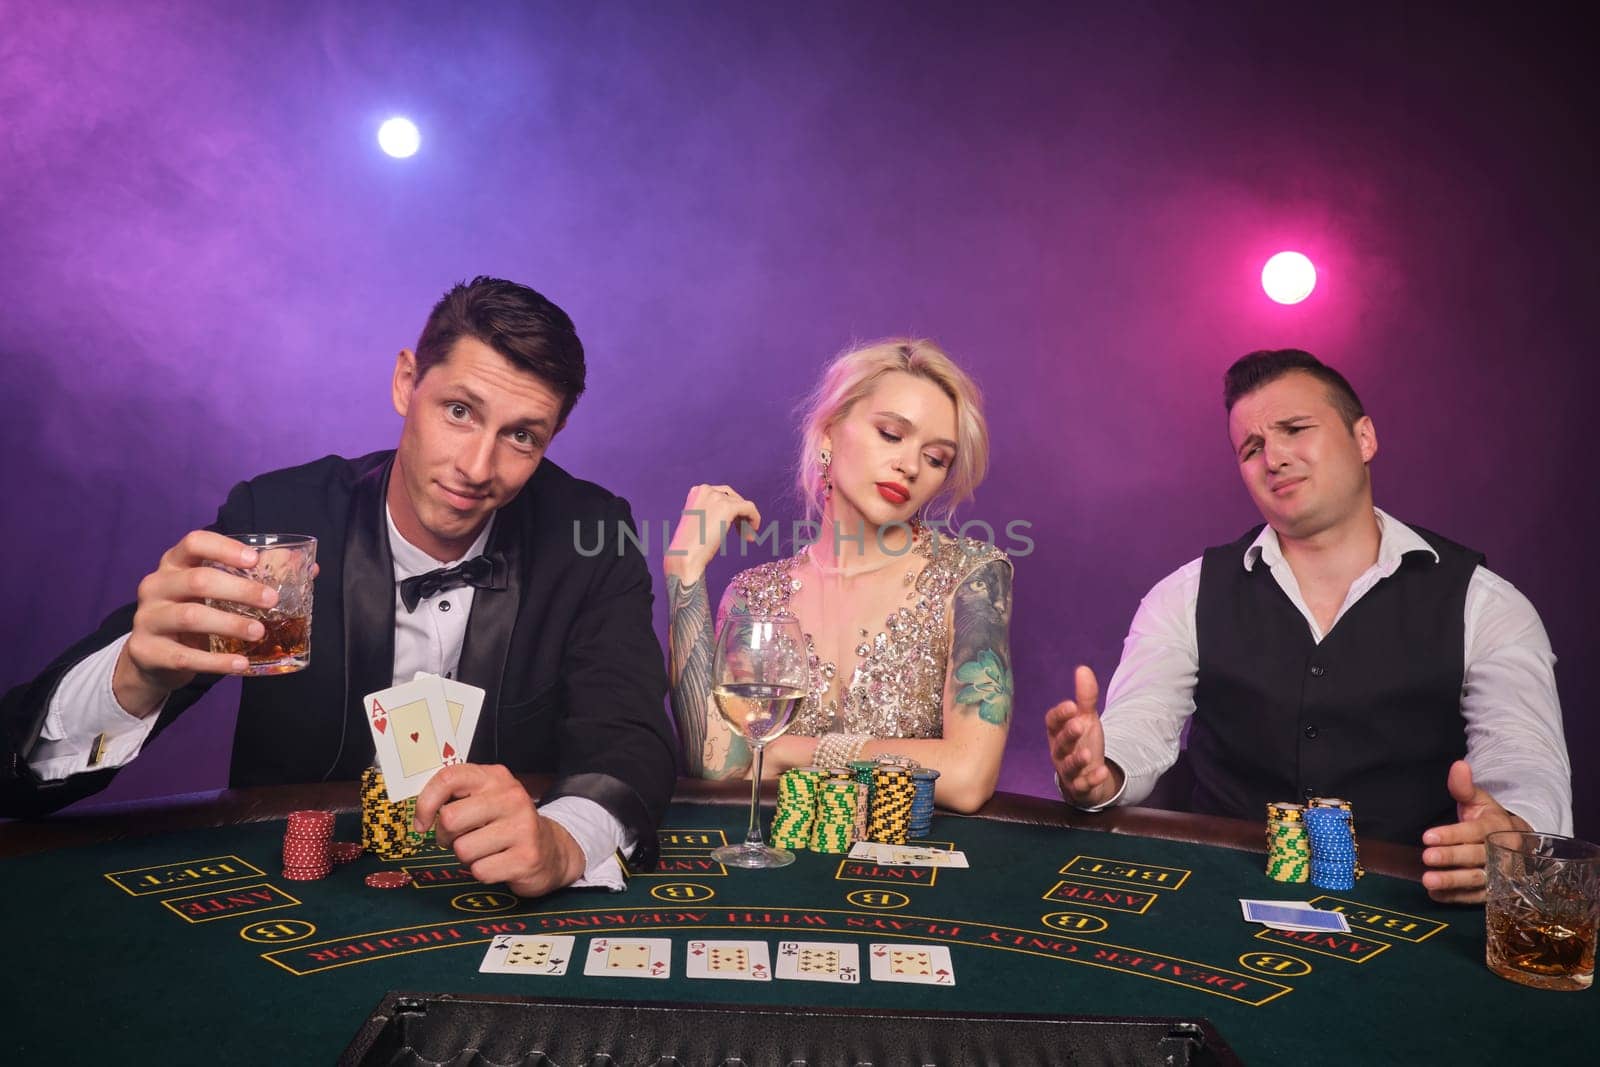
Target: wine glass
<point x="758" y="680"/>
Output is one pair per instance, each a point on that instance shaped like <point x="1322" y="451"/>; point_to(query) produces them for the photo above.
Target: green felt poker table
<point x="163" y="932"/>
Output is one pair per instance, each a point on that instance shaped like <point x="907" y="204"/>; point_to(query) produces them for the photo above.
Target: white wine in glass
<point x="758" y="713"/>
<point x="758" y="680"/>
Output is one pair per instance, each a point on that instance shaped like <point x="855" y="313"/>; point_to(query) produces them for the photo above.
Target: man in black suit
<point x="461" y="552"/>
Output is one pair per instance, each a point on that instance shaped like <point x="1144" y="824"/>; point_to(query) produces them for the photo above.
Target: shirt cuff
<point x="599" y="834"/>
<point x="1121" y="789"/>
<point x="84" y="727"/>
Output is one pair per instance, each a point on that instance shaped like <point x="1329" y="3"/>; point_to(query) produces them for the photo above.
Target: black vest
<point x="1372" y="714"/>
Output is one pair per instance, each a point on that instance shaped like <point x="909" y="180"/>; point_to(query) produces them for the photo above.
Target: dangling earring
<point x="827" y="482"/>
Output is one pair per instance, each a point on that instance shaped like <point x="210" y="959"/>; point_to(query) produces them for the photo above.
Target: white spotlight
<point x="1288" y="277"/>
<point x="399" y="137"/>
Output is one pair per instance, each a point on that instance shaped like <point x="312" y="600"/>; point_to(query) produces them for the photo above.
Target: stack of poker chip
<point x="834" y="828"/>
<point x="796" y="814"/>
<point x="858" y="829"/>
<point x="1333" y="848"/>
<point x="1345" y="806"/>
<point x="308" y="846"/>
<point x="862" y="769"/>
<point x="387" y="826"/>
<point x="1288" y="845"/>
<point x="922" y="802"/>
<point x="893" y="790"/>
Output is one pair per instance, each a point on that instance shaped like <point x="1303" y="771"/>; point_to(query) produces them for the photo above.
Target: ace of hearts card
<point x="412" y="733"/>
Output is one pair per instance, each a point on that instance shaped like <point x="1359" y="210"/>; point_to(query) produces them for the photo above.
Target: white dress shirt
<point x="1509" y="705"/>
<point x="84" y="715"/>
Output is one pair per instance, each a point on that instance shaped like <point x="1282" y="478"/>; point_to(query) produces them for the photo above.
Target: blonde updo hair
<point x="853" y="375"/>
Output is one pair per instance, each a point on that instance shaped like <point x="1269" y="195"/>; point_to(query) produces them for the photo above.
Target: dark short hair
<point x="520" y="324"/>
<point x="1251" y="372"/>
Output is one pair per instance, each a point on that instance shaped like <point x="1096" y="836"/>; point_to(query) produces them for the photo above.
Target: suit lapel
<point x="368" y="608"/>
<point x="494" y="616"/>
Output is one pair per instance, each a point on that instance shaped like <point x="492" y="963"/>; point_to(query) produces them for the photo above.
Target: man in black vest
<point x="456" y="553"/>
<point x="1334" y="651"/>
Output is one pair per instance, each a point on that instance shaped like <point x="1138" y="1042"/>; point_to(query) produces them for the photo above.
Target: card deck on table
<point x="1293" y="915"/>
<point x="412" y="733"/>
<point x="819" y="961"/>
<point x="740" y="961"/>
<point x="527" y="954"/>
<point x="919" y="964"/>
<point x="629" y="957"/>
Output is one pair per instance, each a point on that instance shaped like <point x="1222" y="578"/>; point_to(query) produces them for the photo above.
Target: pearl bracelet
<point x="838" y="749"/>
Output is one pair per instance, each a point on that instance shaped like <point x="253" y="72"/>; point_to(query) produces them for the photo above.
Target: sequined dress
<point x="897" y="687"/>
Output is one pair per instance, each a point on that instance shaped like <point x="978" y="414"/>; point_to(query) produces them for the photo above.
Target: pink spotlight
<point x="1288" y="277"/>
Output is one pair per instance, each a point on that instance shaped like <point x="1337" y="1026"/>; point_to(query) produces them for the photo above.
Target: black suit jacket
<point x="573" y="674"/>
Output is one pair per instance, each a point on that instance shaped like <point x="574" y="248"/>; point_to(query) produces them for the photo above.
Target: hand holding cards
<point x="420" y="726"/>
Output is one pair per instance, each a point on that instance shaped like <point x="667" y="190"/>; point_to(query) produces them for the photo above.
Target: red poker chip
<point x="345" y="851"/>
<point x="299" y="874"/>
<point x="388" y="879"/>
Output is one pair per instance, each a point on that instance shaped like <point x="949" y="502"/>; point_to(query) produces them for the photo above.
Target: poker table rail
<point x="133" y="819"/>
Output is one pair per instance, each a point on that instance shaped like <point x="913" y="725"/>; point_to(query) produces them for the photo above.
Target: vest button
<point x="1311" y="733"/>
<point x="1318" y="671"/>
<point x="444" y="605"/>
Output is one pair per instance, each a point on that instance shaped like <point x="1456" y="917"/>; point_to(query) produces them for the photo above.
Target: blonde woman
<point x="907" y="625"/>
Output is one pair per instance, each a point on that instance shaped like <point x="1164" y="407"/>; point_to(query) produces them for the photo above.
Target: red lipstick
<point x="893" y="492"/>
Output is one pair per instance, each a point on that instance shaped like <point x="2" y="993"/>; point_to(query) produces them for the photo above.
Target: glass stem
<point x="752" y="836"/>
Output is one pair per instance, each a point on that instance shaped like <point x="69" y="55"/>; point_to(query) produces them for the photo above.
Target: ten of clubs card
<point x="629" y="957"/>
<point x="819" y="961"/>
<point x="739" y="961"/>
<point x="919" y="964"/>
<point x="525" y="954"/>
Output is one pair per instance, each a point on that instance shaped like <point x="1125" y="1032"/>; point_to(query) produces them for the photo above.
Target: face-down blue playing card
<point x="1262" y="911"/>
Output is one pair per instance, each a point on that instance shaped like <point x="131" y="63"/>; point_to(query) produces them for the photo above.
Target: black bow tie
<point x="480" y="572"/>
